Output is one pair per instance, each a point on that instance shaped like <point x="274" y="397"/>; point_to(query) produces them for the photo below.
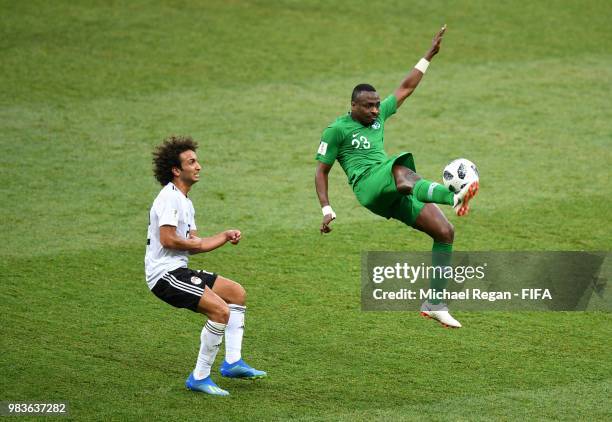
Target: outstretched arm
<point x="321" y="177"/>
<point x="411" y="81"/>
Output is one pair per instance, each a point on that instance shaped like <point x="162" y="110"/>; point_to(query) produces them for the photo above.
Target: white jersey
<point x="170" y="208"/>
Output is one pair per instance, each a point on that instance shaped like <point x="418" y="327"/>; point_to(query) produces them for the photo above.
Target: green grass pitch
<point x="522" y="88"/>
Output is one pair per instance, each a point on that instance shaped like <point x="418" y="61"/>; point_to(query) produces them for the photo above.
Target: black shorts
<point x="183" y="287"/>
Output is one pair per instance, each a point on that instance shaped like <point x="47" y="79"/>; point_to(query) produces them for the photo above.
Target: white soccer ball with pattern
<point x="458" y="173"/>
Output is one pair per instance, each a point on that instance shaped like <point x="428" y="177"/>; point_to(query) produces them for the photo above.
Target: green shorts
<point x="376" y="191"/>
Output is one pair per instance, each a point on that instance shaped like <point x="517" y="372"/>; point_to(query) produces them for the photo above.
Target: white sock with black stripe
<point x="233" y="333"/>
<point x="211" y="338"/>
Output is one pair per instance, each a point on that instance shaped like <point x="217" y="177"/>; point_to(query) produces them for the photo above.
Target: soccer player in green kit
<point x="390" y="186"/>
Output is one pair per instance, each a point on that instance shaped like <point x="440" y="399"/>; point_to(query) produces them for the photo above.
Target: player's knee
<point x="446" y="233"/>
<point x="405" y="179"/>
<point x="404" y="186"/>
<point x="239" y="295"/>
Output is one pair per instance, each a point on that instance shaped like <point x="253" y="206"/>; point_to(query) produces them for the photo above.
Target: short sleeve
<point x="388" y="107"/>
<point x="168" y="211"/>
<point x="328" y="148"/>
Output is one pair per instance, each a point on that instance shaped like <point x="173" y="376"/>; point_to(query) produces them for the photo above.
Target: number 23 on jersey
<point x="360" y="142"/>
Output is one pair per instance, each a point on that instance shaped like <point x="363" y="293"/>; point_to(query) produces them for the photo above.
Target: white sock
<point x="233" y="333"/>
<point x="211" y="338"/>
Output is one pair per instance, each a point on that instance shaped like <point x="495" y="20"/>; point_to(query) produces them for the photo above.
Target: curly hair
<point x="166" y="156"/>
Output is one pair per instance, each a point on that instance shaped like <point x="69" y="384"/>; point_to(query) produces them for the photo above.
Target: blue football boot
<point x="240" y="369"/>
<point x="206" y="385"/>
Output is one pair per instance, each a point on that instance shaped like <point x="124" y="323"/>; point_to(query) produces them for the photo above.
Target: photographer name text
<point x="467" y="294"/>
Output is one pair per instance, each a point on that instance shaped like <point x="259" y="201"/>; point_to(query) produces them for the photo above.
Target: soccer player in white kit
<point x="172" y="237"/>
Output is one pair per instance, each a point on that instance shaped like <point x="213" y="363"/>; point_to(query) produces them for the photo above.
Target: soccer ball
<point x="459" y="173"/>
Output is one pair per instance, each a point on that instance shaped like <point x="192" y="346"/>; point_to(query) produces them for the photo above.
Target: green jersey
<point x="356" y="147"/>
